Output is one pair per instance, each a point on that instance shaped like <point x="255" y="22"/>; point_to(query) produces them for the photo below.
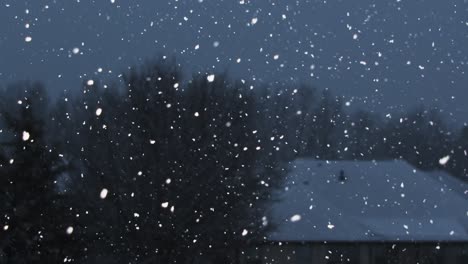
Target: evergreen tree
<point x="35" y="215"/>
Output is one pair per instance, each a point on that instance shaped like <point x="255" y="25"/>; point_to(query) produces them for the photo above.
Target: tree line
<point x="158" y="168"/>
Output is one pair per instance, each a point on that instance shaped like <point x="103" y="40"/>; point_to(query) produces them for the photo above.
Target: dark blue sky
<point x="383" y="55"/>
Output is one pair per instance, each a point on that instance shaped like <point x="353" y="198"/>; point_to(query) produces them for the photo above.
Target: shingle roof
<point x="377" y="201"/>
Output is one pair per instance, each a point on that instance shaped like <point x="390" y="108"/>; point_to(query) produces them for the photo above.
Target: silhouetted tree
<point x="363" y="137"/>
<point x="329" y="116"/>
<point x="158" y="168"/>
<point x="420" y="137"/>
<point x="34" y="214"/>
<point x="187" y="165"/>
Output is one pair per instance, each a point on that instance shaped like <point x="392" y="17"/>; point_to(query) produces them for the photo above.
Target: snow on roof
<point x="369" y="201"/>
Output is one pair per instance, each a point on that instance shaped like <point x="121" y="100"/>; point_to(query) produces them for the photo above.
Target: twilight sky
<point x="380" y="55"/>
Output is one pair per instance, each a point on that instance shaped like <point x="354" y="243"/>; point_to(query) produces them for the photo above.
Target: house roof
<point x="376" y="201"/>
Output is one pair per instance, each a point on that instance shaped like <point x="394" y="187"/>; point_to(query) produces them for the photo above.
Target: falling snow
<point x="210" y="78"/>
<point x="26" y="136"/>
<point x="233" y="132"/>
<point x="103" y="193"/>
<point x="295" y="218"/>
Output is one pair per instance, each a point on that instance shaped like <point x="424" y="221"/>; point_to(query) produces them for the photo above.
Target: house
<point x="366" y="212"/>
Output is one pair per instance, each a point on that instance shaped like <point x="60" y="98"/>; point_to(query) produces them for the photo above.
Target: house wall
<point x="358" y="253"/>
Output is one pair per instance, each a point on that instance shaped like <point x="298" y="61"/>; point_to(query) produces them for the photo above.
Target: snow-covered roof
<point x="377" y="201"/>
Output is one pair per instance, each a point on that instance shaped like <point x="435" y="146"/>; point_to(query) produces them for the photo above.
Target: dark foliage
<point x="188" y="165"/>
<point x="35" y="215"/>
